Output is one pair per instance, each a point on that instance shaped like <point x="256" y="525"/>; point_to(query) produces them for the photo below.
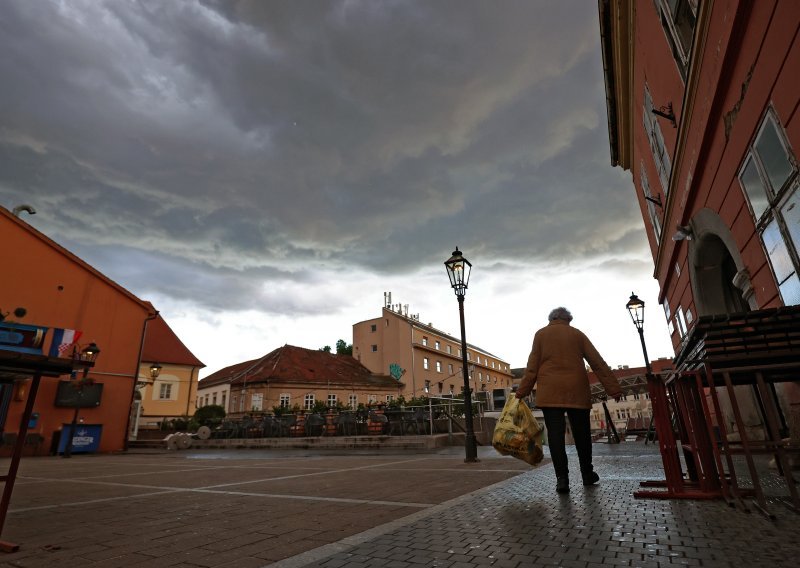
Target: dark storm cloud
<point x="244" y="141"/>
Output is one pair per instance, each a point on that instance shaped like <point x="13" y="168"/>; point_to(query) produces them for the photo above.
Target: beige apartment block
<point x="422" y="356"/>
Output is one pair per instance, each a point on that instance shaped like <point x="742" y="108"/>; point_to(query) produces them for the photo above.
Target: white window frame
<point x="680" y="321"/>
<point x="425" y="363"/>
<point x="352" y="401"/>
<point x="332" y="400"/>
<point x="658" y="147"/>
<point x="438" y="366"/>
<point x="668" y="315"/>
<point x="437" y="345"/>
<point x="424" y="341"/>
<point x="257" y="402"/>
<point x="670" y="11"/>
<point x="773" y="222"/>
<point x="285" y="400"/>
<point x="165" y="391"/>
<point x="651" y="207"/>
<point x="308" y="401"/>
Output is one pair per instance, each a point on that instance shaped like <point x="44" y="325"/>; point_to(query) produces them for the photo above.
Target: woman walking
<point x="556" y="365"/>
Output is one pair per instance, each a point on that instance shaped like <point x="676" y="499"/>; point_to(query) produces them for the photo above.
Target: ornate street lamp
<point x="155" y="370"/>
<point x="88" y="356"/>
<point x="636" y="310"/>
<point x="458" y="270"/>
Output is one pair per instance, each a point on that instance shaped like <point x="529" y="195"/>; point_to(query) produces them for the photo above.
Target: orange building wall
<point x="58" y="291"/>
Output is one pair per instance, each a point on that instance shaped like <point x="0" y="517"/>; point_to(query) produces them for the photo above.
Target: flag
<point x="63" y="339"/>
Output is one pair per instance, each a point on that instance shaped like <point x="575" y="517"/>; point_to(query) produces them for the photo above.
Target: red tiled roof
<point x="161" y="345"/>
<point x="226" y="374"/>
<point x="290" y="364"/>
<point x="658" y="366"/>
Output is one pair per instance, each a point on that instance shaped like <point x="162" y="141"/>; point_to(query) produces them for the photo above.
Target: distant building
<point x="296" y="378"/>
<point x="424" y="357"/>
<point x="703" y="104"/>
<point x="173" y="392"/>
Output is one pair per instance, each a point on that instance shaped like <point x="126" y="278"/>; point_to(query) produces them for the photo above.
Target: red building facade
<point x="703" y="99"/>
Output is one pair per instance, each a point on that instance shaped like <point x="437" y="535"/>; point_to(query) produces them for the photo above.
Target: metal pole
<point x="470" y="444"/>
<point x="68" y="447"/>
<point x="644" y="350"/>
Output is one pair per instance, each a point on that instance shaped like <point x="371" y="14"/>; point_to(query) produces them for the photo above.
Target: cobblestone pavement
<point x="522" y="522"/>
<point x="254" y="508"/>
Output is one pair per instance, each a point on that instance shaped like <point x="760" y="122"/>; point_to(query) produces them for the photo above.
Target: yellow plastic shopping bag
<point x="518" y="433"/>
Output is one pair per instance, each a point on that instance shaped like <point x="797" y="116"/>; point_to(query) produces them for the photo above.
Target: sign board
<point x="86" y="438"/>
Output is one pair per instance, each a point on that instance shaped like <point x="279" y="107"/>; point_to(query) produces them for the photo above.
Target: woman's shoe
<point x="591" y="478"/>
<point x="562" y="485"/>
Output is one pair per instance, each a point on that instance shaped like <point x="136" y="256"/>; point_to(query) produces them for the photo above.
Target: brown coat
<point x="556" y="364"/>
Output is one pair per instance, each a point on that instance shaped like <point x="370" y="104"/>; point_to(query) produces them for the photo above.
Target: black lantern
<point x="458" y="270"/>
<point x="636" y="309"/>
<point x="155" y="370"/>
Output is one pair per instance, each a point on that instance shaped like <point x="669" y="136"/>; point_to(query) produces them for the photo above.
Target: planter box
<point x="22" y="338"/>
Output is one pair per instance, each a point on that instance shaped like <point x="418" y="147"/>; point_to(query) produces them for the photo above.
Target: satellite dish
<point x="204" y="432"/>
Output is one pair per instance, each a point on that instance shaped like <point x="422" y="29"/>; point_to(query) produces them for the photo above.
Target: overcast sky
<point x="263" y="171"/>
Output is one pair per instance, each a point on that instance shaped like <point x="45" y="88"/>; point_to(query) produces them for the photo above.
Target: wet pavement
<point x="248" y="508"/>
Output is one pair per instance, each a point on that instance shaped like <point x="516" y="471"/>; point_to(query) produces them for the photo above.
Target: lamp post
<point x="458" y="269"/>
<point x="635" y="308"/>
<point x="155" y="371"/>
<point x="86" y="355"/>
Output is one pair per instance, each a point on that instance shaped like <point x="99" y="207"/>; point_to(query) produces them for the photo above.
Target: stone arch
<point x="720" y="281"/>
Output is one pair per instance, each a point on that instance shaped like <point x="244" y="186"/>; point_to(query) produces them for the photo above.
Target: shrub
<point x="210" y="415"/>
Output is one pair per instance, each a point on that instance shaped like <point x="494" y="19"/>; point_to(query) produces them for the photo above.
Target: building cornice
<point x="617" y="32"/>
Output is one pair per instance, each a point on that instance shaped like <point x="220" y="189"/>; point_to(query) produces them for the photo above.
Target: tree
<point x="326" y="349"/>
<point x="344" y="348"/>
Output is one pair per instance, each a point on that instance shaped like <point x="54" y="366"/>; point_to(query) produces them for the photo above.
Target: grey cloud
<point x="242" y="141"/>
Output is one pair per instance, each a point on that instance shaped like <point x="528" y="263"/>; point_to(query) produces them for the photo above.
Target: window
<point x="424" y="340"/>
<point x="214" y="398"/>
<point x="657" y="145"/>
<point x="438" y="366"/>
<point x="308" y="401"/>
<point x="459" y="352"/>
<point x="438" y="345"/>
<point x="680" y="321"/>
<point x="668" y="315"/>
<point x="373" y="328"/>
<point x="480" y="377"/>
<point x="449" y="349"/>
<point x="492" y="364"/>
<point x="165" y="391"/>
<point x="372" y="399"/>
<point x="206" y="403"/>
<point x="425" y="363"/>
<point x="651" y="207"/>
<point x="374" y="348"/>
<point x="352" y="401"/>
<point x="678" y="17"/>
<point x="285" y="400"/>
<point x="468" y="355"/>
<point x="389" y="397"/>
<point x="770" y="182"/>
<point x="223" y="401"/>
<point x="331" y="401"/>
<point x="450" y="368"/>
<point x="256" y="401"/>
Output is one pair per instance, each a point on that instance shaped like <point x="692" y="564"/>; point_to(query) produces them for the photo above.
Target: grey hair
<point x="560" y="314"/>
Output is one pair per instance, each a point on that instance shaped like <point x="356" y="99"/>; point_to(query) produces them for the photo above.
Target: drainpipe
<point x="136" y="377"/>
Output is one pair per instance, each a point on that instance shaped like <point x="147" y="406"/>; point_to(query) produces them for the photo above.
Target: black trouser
<point x="556" y="430"/>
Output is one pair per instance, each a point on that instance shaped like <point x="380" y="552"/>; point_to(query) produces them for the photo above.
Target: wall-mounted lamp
<point x="155" y="370"/>
<point x="666" y="112"/>
<point x="684" y="232"/>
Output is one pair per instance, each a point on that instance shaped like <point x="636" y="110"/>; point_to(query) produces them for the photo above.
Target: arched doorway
<point x="721" y="285"/>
